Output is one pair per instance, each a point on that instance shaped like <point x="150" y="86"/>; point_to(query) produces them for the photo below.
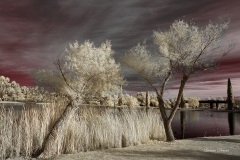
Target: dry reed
<point x="22" y="132"/>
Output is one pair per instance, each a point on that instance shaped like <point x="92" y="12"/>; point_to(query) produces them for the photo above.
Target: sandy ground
<point x="209" y="148"/>
<point x="216" y="148"/>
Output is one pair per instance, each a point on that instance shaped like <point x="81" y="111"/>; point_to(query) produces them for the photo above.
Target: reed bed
<point x="22" y="132"/>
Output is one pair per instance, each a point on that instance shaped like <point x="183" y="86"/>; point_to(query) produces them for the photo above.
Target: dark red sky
<point x="34" y="32"/>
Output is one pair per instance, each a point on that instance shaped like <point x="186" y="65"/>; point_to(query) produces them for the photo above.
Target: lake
<point x="187" y="123"/>
<point x="191" y="124"/>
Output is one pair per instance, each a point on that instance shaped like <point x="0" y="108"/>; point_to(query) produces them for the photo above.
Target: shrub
<point x="141" y="98"/>
<point x="193" y="102"/>
<point x="129" y="100"/>
<point x="154" y="102"/>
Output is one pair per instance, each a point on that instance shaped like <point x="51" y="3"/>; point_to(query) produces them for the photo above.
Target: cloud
<point x="34" y="32"/>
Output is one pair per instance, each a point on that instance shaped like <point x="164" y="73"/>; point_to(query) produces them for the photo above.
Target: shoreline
<point x="221" y="148"/>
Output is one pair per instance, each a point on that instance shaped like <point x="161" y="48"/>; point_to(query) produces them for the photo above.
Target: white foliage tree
<point x="84" y="71"/>
<point x="10" y="90"/>
<point x="4" y="85"/>
<point x="183" y="49"/>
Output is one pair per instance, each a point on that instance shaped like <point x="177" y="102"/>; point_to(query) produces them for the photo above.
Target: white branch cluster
<point x="190" y="47"/>
<point x="184" y="48"/>
<point x="140" y="60"/>
<point x="84" y="70"/>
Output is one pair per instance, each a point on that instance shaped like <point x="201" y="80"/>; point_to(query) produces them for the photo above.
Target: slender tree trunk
<point x="48" y="145"/>
<point x="182" y="103"/>
<point x="147" y="99"/>
<point x="180" y="93"/>
<point x="168" y="130"/>
<point x="166" y="122"/>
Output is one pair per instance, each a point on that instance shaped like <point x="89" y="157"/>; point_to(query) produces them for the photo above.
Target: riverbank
<point x="220" y="148"/>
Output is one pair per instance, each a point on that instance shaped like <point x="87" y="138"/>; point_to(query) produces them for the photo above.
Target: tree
<point x="84" y="71"/>
<point x="4" y="87"/>
<point x="10" y="90"/>
<point x="230" y="98"/>
<point x="184" y="49"/>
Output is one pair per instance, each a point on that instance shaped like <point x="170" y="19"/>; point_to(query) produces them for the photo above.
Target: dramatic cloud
<point x="34" y="32"/>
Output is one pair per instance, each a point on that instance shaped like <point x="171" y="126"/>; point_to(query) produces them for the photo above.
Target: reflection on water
<point x="231" y="123"/>
<point x="190" y="124"/>
<point x="183" y="123"/>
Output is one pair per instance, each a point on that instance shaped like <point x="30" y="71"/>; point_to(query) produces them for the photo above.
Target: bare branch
<point x="64" y="77"/>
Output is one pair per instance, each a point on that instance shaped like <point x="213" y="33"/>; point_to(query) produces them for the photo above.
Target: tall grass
<point x="22" y="132"/>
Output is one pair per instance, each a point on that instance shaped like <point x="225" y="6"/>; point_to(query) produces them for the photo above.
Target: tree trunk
<point x="147" y="99"/>
<point x="182" y="103"/>
<point x="166" y="122"/>
<point x="47" y="149"/>
<point x="180" y="93"/>
<point x="168" y="130"/>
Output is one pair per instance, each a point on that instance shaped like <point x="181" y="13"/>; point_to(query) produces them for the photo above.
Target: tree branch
<point x="165" y="82"/>
<point x="64" y="78"/>
<point x="180" y="92"/>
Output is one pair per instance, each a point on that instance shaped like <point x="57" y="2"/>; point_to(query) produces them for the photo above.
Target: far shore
<point x="112" y="107"/>
<point x="204" y="109"/>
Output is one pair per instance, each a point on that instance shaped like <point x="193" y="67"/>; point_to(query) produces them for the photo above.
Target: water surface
<point x="191" y="124"/>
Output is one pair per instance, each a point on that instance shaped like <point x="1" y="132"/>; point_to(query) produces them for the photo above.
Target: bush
<point x="129" y="100"/>
<point x="141" y="98"/>
<point x="154" y="102"/>
<point x="169" y="103"/>
<point x="193" y="102"/>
